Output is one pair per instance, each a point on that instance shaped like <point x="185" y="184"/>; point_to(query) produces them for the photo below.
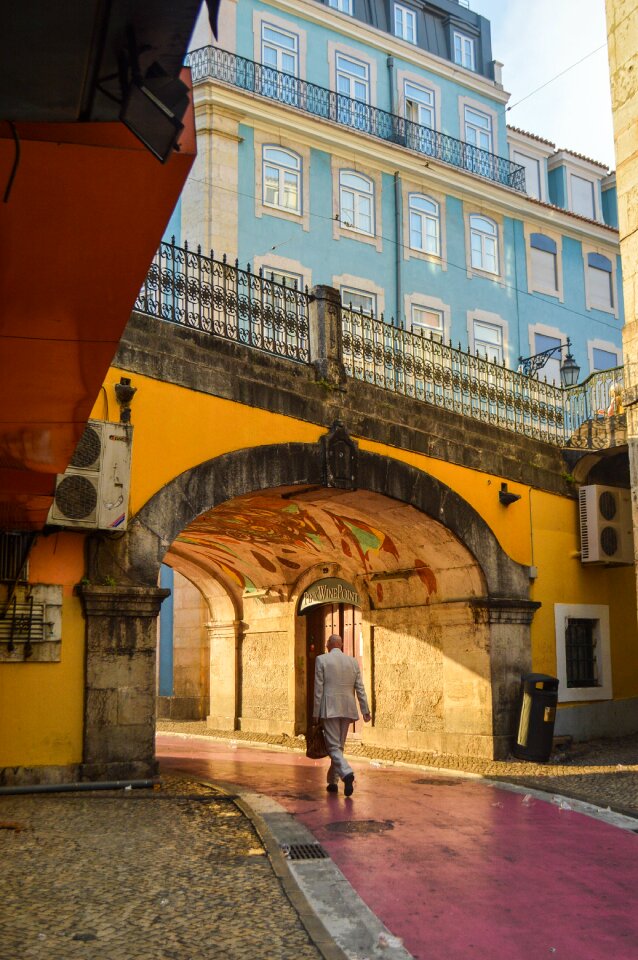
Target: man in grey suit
<point x="337" y="679"/>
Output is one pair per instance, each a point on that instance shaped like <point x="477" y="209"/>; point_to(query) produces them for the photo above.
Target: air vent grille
<point x="76" y="497"/>
<point x="87" y="452"/>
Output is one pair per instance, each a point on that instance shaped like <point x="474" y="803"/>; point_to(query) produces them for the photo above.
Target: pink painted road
<point x="456" y="868"/>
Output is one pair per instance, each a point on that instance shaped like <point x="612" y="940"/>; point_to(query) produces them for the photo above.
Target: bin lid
<point x="531" y="679"/>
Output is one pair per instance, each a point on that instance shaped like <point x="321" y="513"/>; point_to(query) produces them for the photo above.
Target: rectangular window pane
<point x="366" y="302"/>
<point x="544" y="269"/>
<point x="580" y="652"/>
<point x="271" y="185"/>
<point x="532" y="173"/>
<point x="604" y="359"/>
<point x="582" y="196"/>
<point x="427" y="322"/>
<point x="488" y="341"/>
<point x="551" y="370"/>
<point x="600" y="289"/>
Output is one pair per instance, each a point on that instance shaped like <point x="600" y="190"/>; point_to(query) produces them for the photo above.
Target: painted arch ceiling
<point x="271" y="537"/>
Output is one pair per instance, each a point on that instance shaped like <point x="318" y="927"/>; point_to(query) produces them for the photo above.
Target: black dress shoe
<point x="332" y="788"/>
<point x="348" y="787"/>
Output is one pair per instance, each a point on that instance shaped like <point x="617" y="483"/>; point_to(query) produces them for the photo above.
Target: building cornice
<point x="351" y="29"/>
<point x="354" y="145"/>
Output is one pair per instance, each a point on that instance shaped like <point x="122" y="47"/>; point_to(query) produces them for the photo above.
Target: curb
<point x="336" y="919"/>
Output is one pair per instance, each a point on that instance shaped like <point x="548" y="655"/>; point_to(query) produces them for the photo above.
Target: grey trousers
<point x="335" y="730"/>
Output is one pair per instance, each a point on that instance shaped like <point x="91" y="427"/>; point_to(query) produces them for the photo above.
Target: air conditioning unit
<point x="93" y="492"/>
<point x="606" y="529"/>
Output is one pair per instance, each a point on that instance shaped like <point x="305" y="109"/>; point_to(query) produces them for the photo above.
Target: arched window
<point x="356" y="202"/>
<point x="424" y="224"/>
<point x="281" y="179"/>
<point x="484" y="244"/>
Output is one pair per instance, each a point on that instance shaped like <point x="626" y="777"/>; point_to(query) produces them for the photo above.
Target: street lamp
<point x="569" y="369"/>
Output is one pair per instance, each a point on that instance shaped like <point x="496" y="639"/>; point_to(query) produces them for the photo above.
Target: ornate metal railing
<point x="404" y="362"/>
<point x="186" y="287"/>
<point x="447" y="377"/>
<point x="211" y="63"/>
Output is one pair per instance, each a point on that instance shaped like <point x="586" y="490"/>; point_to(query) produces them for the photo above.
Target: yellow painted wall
<point x="41" y="704"/>
<point x="176" y="429"/>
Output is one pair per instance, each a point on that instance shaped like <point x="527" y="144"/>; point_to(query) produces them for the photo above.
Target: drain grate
<point x="304" y="851"/>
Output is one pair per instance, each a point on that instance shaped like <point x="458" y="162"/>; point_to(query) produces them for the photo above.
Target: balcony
<point x="211" y="63"/>
<point x="219" y="298"/>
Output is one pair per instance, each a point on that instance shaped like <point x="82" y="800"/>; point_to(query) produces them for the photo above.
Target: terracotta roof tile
<point x="532" y="136"/>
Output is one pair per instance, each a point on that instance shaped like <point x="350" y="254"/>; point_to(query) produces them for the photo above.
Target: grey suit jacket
<point x="337" y="679"/>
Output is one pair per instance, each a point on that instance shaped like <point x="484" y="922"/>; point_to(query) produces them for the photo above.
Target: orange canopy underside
<point x="84" y="217"/>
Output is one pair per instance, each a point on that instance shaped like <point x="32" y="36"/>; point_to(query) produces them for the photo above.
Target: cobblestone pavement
<point x="175" y="873"/>
<point x="602" y="772"/>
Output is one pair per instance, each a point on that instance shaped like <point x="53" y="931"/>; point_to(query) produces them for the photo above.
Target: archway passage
<point x="424" y="653"/>
<point x="445" y="612"/>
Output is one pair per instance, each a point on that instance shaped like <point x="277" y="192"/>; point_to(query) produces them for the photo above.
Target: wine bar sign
<point x="330" y="590"/>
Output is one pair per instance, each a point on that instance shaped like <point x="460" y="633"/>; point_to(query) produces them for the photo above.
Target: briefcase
<point x="316" y="743"/>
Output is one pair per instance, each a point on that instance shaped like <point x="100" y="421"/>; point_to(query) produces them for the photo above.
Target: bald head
<point x="334" y="640"/>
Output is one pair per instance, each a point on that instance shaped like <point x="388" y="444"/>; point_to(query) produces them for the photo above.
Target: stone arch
<point x="136" y="557"/>
<point x="120" y="617"/>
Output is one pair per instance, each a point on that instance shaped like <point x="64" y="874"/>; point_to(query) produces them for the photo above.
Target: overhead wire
<point x="450" y="263"/>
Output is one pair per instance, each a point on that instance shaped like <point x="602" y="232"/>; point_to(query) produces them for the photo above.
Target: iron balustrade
<point x="197" y="291"/>
<point x="186" y="287"/>
<point x="212" y="63"/>
<point x="445" y="376"/>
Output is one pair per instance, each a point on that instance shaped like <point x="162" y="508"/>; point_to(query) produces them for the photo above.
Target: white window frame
<point x="361" y="285"/>
<point x="485" y="238"/>
<point x="489" y="319"/>
<point x="358" y="194"/>
<point x="421" y="328"/>
<point x="282" y="170"/>
<point x="486" y="349"/>
<point x="273" y="263"/>
<point x="265" y="17"/>
<point x="416" y="105"/>
<point x="343" y="6"/>
<point x="429" y="88"/>
<point x="591" y="214"/>
<point x="261" y="140"/>
<point x="584" y="611"/>
<point x="590" y="302"/>
<point x="477" y="129"/>
<point x="425" y="218"/>
<point x="464" y="45"/>
<point x="342" y="61"/>
<point x="404" y="23"/>
<point x="525" y="160"/>
<point x="347" y="293"/>
<point x="280" y="49"/>
<point x="608" y="347"/>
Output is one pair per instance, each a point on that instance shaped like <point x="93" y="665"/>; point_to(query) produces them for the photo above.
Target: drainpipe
<point x="398" y="232"/>
<point x="393" y="95"/>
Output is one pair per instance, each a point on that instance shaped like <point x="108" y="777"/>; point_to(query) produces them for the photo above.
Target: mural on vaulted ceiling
<point x="271" y="537"/>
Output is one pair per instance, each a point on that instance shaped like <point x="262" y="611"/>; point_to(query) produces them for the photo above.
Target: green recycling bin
<point x="539" y="696"/>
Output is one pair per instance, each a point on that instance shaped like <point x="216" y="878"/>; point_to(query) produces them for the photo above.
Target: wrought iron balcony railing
<point x="186" y="287"/>
<point x="211" y="63"/>
<point x="217" y="297"/>
<point x="585" y="416"/>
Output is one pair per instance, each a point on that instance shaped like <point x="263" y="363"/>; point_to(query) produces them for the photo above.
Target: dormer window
<point x="464" y="50"/>
<point x="404" y="23"/>
<point x="583" y="197"/>
<point x="344" y="6"/>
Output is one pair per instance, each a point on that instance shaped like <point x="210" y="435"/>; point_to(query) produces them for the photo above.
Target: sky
<point x="536" y="40"/>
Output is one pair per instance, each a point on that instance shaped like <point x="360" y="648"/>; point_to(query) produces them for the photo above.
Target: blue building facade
<point x="363" y="144"/>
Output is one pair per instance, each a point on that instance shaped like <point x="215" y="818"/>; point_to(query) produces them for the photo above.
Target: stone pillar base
<point x="221" y="723"/>
<point x="127" y="770"/>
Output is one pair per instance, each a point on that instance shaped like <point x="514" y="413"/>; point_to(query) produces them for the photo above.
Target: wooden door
<point x="321" y="622"/>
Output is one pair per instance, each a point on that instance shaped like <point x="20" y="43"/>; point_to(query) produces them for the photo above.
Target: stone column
<point x="325" y="335"/>
<point x="119" y="709"/>
<point x="510" y="651"/>
<point x="225" y="648"/>
<point x="623" y="69"/>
